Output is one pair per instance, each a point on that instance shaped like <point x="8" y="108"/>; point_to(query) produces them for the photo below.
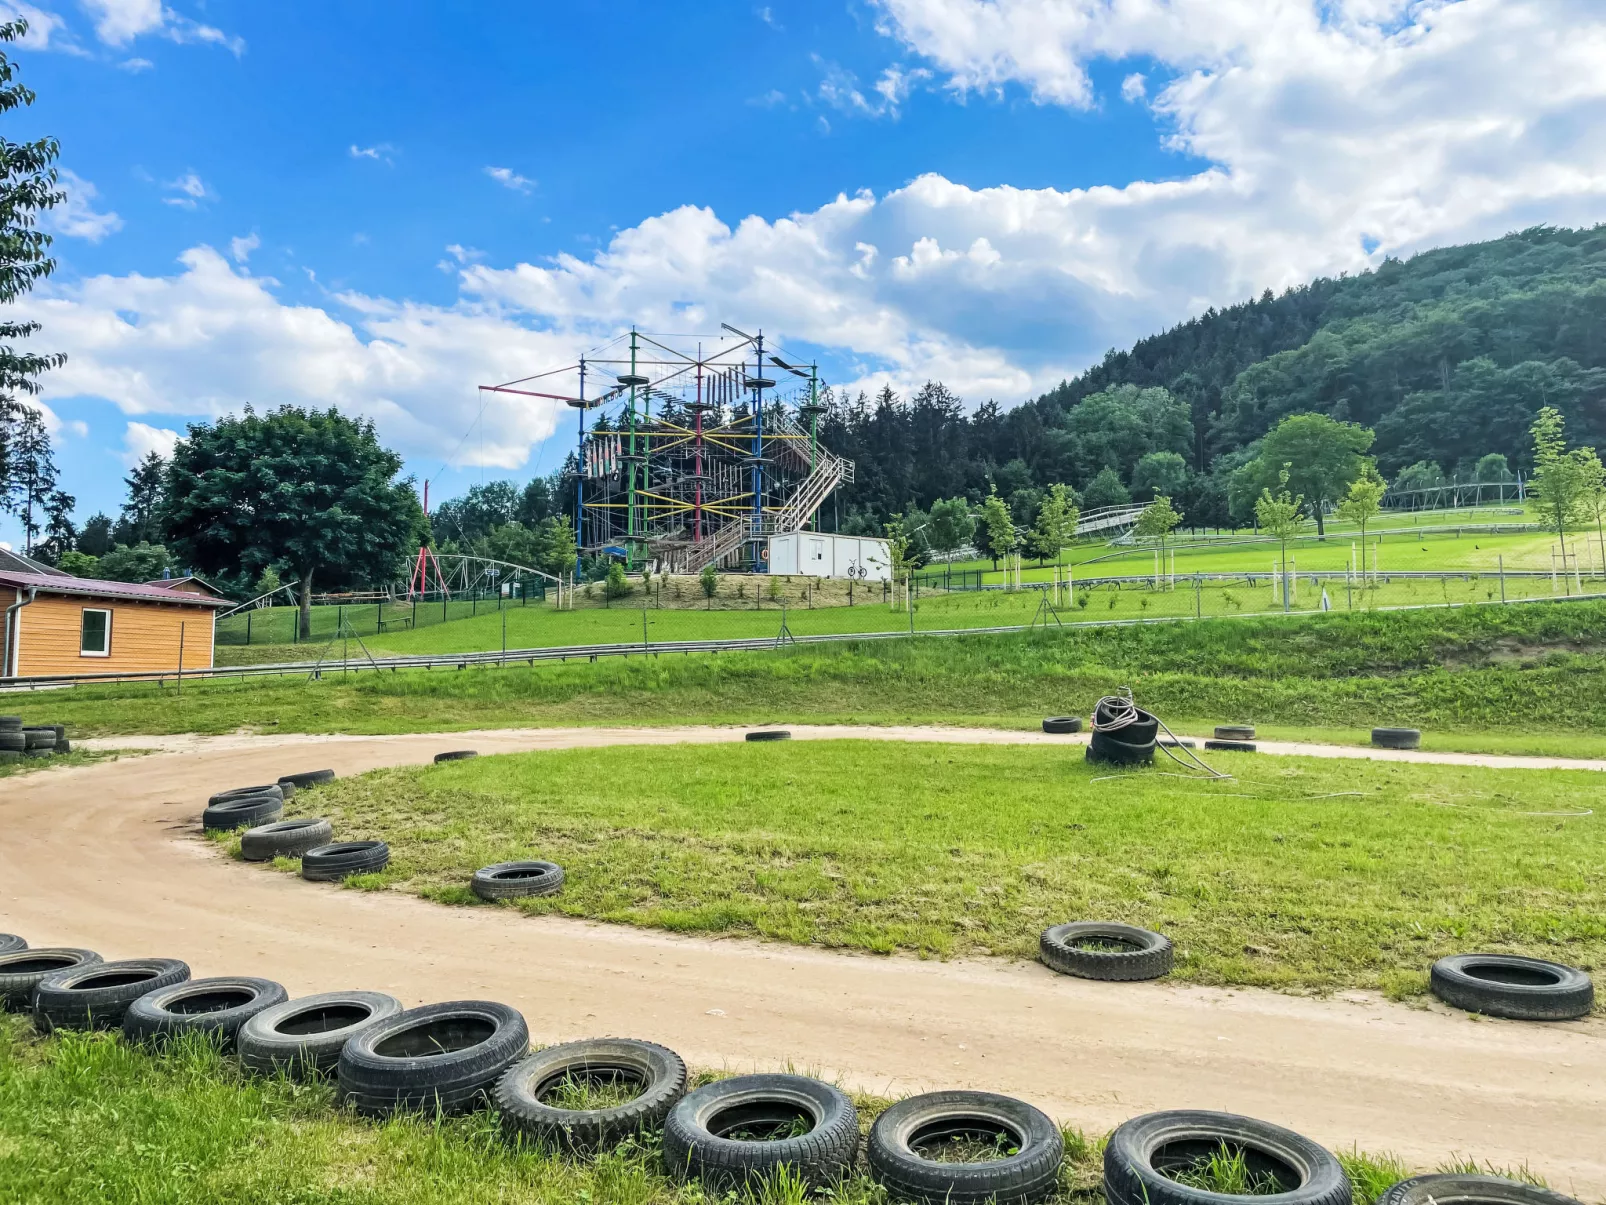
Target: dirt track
<point x="106" y="856"/>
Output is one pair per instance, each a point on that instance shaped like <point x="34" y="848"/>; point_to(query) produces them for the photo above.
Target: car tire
<point x="1231" y="746"/>
<point x="769" y="734"/>
<point x="12" y="741"/>
<point x="285" y="839"/>
<point x="511" y="880"/>
<point x="1060" y="725"/>
<point x="1141" y="1151"/>
<point x="1143" y="954"/>
<point x="697" y="1142"/>
<point x="1112" y="750"/>
<point x="1235" y="732"/>
<point x="97" y="995"/>
<point x="1520" y="989"/>
<point x="1397" y="738"/>
<point x="217" y="1007"/>
<point x="273" y="789"/>
<point x="1028" y="1175"/>
<point x="660" y="1074"/>
<point x="305" y="1036"/>
<point x="308" y="778"/>
<point x="442" y="1057"/>
<point x="39" y="740"/>
<point x="21" y="971"/>
<point x="341" y="860"/>
<point x="1456" y="1189"/>
<point x="247" y="811"/>
<point x="10" y="943"/>
<point x="456" y="755"/>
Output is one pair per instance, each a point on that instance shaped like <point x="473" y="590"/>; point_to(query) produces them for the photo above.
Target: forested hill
<point x="1447" y="355"/>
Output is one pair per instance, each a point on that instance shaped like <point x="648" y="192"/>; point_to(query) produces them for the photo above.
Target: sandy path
<point x="105" y="856"/>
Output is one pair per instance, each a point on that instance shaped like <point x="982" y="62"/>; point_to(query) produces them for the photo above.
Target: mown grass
<point x="12" y="766"/>
<point x="1536" y="669"/>
<point x="88" y="1119"/>
<point x="1301" y="873"/>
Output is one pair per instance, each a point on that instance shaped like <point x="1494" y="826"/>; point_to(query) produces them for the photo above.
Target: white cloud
<point x="191" y="190"/>
<point x="120" y="22"/>
<point x="240" y="248"/>
<point x="1134" y="87"/>
<point x="135" y="66"/>
<point x="76" y="216"/>
<point x="765" y="15"/>
<point x="43" y="27"/>
<point x="508" y="178"/>
<point x="380" y="152"/>
<point x="141" y="439"/>
<point x="839" y="88"/>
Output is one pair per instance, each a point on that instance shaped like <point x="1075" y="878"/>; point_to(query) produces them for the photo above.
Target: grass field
<point x="1531" y="677"/>
<point x="1298" y="873"/>
<point x="86" y="1118"/>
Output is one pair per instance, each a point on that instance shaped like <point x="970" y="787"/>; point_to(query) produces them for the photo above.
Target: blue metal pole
<point x="758" y="455"/>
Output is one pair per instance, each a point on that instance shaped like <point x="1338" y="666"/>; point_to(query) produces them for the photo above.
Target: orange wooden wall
<point x="145" y="636"/>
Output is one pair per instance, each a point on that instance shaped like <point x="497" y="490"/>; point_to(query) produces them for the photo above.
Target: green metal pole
<point x="630" y="508"/>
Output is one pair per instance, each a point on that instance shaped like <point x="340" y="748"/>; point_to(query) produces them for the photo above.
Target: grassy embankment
<point x="1509" y="679"/>
<point x="90" y="1119"/>
<point x="1300" y="873"/>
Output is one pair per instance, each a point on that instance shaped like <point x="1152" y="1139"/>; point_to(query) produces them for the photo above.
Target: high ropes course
<point x="692" y="458"/>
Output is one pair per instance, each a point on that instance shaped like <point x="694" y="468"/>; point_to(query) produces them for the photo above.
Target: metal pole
<point x="630" y="500"/>
<point x="580" y="477"/>
<point x="181" y="657"/>
<point x="758" y="454"/>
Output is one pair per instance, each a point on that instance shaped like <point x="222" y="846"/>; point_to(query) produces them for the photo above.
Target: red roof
<point x="88" y="587"/>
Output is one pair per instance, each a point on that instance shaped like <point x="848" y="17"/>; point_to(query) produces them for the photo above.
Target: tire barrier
<point x="456" y="755"/>
<point x="10" y="943"/>
<point x="332" y="863"/>
<point x="305" y="1037"/>
<point x="1288" y="1169"/>
<point x="216" y="1007"/>
<point x="285" y="839"/>
<point x="1123" y="733"/>
<point x="22" y="971"/>
<point x="1060" y="725"/>
<point x="1106" y="950"/>
<point x="308" y="778"/>
<point x="444" y="1057"/>
<point x="769" y="734"/>
<point x="98" y="995"/>
<point x="244" y="811"/>
<point x="1022" y="1165"/>
<point x="1235" y="732"/>
<point x="273" y="789"/>
<point x="511" y="880"/>
<point x="31" y="740"/>
<point x="655" y="1074"/>
<point x="1221" y="746"/>
<point x="1397" y="738"/>
<point x="1457" y="1189"/>
<point x="1520" y="989"/>
<point x="737" y="1131"/>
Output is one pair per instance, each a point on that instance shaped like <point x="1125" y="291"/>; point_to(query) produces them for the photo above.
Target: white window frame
<point x="82" y="651"/>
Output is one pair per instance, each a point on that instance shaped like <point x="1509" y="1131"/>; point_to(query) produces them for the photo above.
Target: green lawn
<point x="1298" y="873"/>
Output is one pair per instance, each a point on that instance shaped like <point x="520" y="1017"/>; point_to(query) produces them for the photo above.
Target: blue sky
<point x="380" y="206"/>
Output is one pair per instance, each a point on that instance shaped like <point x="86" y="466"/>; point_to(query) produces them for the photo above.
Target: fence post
<point x="644" y="641"/>
<point x="180" y="653"/>
<point x="1502" y="577"/>
<point x="248" y="628"/>
<point x="1198" y="597"/>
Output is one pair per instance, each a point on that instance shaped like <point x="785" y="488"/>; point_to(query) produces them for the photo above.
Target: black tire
<point x="10" y="943"/>
<point x="1102" y="747"/>
<point x="1455" y="1189"/>
<point x="510" y="880"/>
<point x="1144" y="727"/>
<point x="287" y="788"/>
<point x="770" y="734"/>
<point x="1397" y="738"/>
<point x="285" y="839"/>
<point x="12" y="741"/>
<point x="217" y="1007"/>
<point x="39" y="739"/>
<point x="1141" y="954"/>
<point x="97" y="995"/>
<point x="273" y="789"/>
<point x="442" y="1057"/>
<point x="1141" y="1152"/>
<point x="697" y="1131"/>
<point x="300" y="1037"/>
<point x="456" y="755"/>
<point x="247" y="811"/>
<point x="1175" y="742"/>
<point x="1235" y="732"/>
<point x="10" y="723"/>
<point x="1061" y="724"/>
<point x="902" y="1131"/>
<point x="308" y="778"/>
<point x="659" y="1073"/>
<point x="21" y="971"/>
<point x="1231" y="746"/>
<point x="1504" y="985"/>
<point x="63" y="745"/>
<point x="331" y="863"/>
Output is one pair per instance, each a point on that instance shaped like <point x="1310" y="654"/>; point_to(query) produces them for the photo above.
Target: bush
<point x="709" y="580"/>
<point x="617" y="585"/>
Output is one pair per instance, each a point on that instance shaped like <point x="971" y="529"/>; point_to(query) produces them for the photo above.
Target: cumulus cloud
<point x="120" y="22"/>
<point x="46" y="31"/>
<point x="141" y="439"/>
<point x="508" y="178"/>
<point x="240" y="248"/>
<point x="76" y="216"/>
<point x="189" y="191"/>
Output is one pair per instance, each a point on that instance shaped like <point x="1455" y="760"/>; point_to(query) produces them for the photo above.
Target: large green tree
<point x="310" y="492"/>
<point x="1320" y="455"/>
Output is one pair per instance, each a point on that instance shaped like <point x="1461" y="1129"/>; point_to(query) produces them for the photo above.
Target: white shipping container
<point x="821" y="554"/>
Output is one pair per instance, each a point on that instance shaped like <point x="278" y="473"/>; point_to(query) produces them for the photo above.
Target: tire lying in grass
<point x="10" y="943"/>
<point x="1106" y="950"/>
<point x="247" y="811"/>
<point x="444" y="1057"/>
<point x="285" y="839"/>
<point x="308" y="778"/>
<point x="456" y="755"/>
<point x="1231" y="746"/>
<point x="12" y="741"/>
<point x="510" y="880"/>
<point x="331" y="863"/>
<point x="736" y="1131"/>
<point x="1005" y="1150"/>
<point x="302" y="1036"/>
<point x="1235" y="732"/>
<point x="1504" y="985"/>
<point x="1397" y="738"/>
<point x="39" y="740"/>
<point x="1062" y="724"/>
<point x="531" y="1094"/>
<point x="770" y="734"/>
<point x="1454" y="1189"/>
<point x="217" y="1007"/>
<point x="273" y="789"/>
<point x="21" y="971"/>
<point x="1102" y="747"/>
<point x="1144" y="1157"/>
<point x="97" y="996"/>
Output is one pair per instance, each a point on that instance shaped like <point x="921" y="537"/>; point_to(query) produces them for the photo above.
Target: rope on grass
<point x="1119" y="711"/>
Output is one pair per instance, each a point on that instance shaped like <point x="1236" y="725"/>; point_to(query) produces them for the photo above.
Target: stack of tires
<point x="13" y="743"/>
<point x="1130" y="744"/>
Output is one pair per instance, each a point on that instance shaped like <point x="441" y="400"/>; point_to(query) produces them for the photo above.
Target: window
<point x="97" y="636"/>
